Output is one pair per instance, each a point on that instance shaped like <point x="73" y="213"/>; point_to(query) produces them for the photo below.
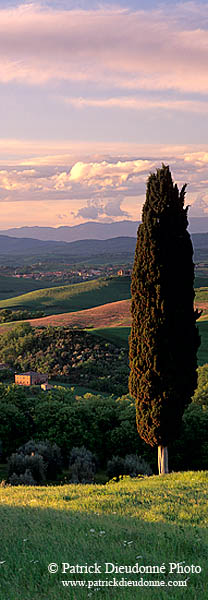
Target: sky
<point x="93" y="97"/>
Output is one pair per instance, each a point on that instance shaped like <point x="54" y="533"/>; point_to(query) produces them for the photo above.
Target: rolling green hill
<point x="12" y="286"/>
<point x="70" y="298"/>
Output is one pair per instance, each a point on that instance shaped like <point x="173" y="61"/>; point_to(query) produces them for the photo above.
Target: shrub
<point x="115" y="467"/>
<point x="132" y="465"/>
<point x="24" y="479"/>
<point x="19" y="463"/>
<point x="82" y="465"/>
<point x="136" y="465"/>
<point x="50" y="453"/>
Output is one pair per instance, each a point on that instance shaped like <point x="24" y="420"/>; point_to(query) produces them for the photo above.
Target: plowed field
<point x="114" y="314"/>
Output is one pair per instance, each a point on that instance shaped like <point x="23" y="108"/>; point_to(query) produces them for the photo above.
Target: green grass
<point x="151" y="521"/>
<point x="116" y="335"/>
<point x="11" y="286"/>
<point x="203" y="349"/>
<point x="201" y="281"/>
<point x="201" y="294"/>
<point x="75" y="297"/>
<point x="80" y="390"/>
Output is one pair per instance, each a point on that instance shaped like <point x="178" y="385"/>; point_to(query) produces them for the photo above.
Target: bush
<point x="115" y="467"/>
<point x="24" y="479"/>
<point x="132" y="465"/>
<point x="19" y="463"/>
<point x="34" y="462"/>
<point x="136" y="465"/>
<point x="50" y="453"/>
<point x="82" y="464"/>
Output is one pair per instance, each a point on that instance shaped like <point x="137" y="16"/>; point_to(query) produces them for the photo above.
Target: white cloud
<point x="105" y="174"/>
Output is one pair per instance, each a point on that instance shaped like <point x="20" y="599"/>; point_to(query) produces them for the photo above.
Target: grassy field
<point x="75" y="297"/>
<point x="116" y="335"/>
<point x="12" y="286"/>
<point x="150" y="521"/>
<point x="201" y="295"/>
<point x="80" y="390"/>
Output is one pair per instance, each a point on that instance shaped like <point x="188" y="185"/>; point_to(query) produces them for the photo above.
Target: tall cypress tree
<point x="164" y="337"/>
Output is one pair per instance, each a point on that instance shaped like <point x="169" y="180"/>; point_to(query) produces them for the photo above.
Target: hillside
<point x="70" y="298"/>
<point x="82" y="248"/>
<point x="120" y="334"/>
<point x="86" y="296"/>
<point x="112" y="314"/>
<point x="150" y="521"/>
<point x="12" y="286"/>
<point x="15" y="251"/>
<point x="121" y="249"/>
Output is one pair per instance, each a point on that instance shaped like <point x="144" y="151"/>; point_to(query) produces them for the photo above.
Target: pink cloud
<point x="140" y="49"/>
<point x="143" y="103"/>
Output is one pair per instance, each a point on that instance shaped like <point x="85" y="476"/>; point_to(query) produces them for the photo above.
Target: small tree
<point x="164" y="338"/>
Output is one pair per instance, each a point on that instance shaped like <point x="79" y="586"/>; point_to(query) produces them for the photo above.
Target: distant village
<point x="38" y="272"/>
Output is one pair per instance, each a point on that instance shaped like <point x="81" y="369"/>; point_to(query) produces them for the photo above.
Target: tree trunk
<point x="162" y="460"/>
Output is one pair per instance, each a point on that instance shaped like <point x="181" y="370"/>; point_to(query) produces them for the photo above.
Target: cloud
<point x="199" y="159"/>
<point x="12" y="180"/>
<point x="141" y="103"/>
<point x="106" y="174"/>
<point x="94" y="188"/>
<point x="152" y="49"/>
<point x="98" y="208"/>
<point x="89" y="212"/>
<point x="199" y="208"/>
<point x="98" y="177"/>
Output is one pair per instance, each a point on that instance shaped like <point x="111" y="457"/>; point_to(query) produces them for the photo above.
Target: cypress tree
<point x="164" y="337"/>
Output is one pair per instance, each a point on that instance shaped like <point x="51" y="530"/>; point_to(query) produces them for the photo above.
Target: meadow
<point x="73" y="297"/>
<point x="12" y="286"/>
<point x="149" y="521"/>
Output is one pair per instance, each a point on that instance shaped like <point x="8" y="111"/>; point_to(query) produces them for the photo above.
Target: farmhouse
<point x="31" y="378"/>
<point x="124" y="272"/>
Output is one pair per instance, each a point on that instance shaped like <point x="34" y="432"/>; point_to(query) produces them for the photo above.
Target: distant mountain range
<point x="85" y="231"/>
<point x="92" y="230"/>
<point x="83" y="249"/>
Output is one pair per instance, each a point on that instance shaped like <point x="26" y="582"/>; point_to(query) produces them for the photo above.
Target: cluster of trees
<point x="106" y="426"/>
<point x="34" y="462"/>
<point x="39" y="462"/>
<point x="71" y="356"/>
<point x="7" y="315"/>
